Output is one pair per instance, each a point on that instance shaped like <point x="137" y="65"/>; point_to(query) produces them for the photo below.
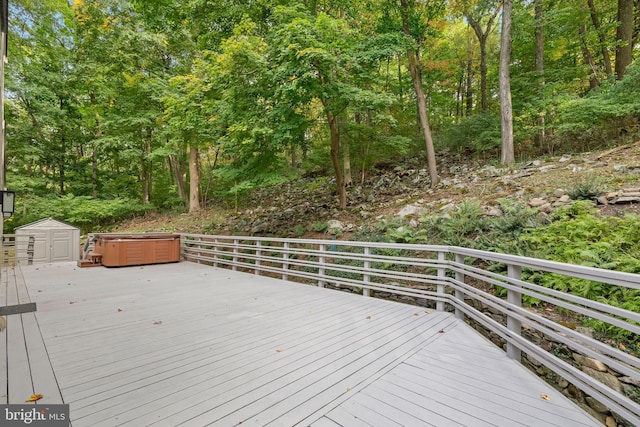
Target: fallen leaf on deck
<point x="280" y="350"/>
<point x="441" y="331"/>
<point x="72" y="302"/>
<point x="416" y="314"/>
<point x="34" y="398"/>
<point x="119" y="310"/>
<point x="348" y="388"/>
<point x="368" y="317"/>
<point x="158" y="322"/>
<point x="545" y="397"/>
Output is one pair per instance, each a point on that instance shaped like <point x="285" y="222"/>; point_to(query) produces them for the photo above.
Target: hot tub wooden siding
<point x="138" y="249"/>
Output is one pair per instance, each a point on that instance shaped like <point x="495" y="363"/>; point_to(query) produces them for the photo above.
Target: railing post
<point x="258" y="254"/>
<point x="441" y="276"/>
<point x="199" y="261"/>
<point x="215" y="252"/>
<point x="366" y="278"/>
<point x="30" y="250"/>
<point x="514" y="298"/>
<point x="321" y="260"/>
<point x="459" y="295"/>
<point x="235" y="254"/>
<point x="285" y="261"/>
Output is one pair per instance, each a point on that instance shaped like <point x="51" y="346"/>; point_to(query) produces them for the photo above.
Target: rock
<point x="626" y="199"/>
<point x="448" y="207"/>
<point x="594" y="364"/>
<point x="602" y="200"/>
<point x="629" y="380"/>
<point x="620" y="168"/>
<point x="411" y="211"/>
<point x="605" y="378"/>
<point x="334" y="226"/>
<point x="536" y="163"/>
<point x="559" y="193"/>
<point x="562" y="383"/>
<point x="564" y="158"/>
<point x="564" y="199"/>
<point x="537" y="202"/>
<point x="493" y="211"/>
<point x="588" y="332"/>
<point x="596" y="406"/>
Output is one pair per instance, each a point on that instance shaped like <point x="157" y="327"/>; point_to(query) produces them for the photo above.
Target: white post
<point x="258" y="254"/>
<point x="215" y="252"/>
<point x="459" y="294"/>
<point x="321" y="261"/>
<point x="366" y="278"/>
<point x="235" y="254"/>
<point x="441" y="277"/>
<point x="285" y="261"/>
<point x="514" y="325"/>
<point x="199" y="261"/>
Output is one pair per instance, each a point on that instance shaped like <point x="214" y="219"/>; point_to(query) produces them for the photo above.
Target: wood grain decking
<point x="185" y="344"/>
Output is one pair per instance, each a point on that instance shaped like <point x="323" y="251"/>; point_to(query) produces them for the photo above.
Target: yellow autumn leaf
<point x="34" y="398"/>
<point x="545" y="397"/>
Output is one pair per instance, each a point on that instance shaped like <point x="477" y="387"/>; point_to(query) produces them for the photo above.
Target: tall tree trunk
<point x="194" y="180"/>
<point x="459" y="94"/>
<point x="539" y="17"/>
<point x="146" y="169"/>
<point x="177" y="171"/>
<point x="508" y="155"/>
<point x="482" y="36"/>
<point x="601" y="35"/>
<point x="335" y="156"/>
<point x="586" y="54"/>
<point x="94" y="171"/>
<point x="346" y="162"/>
<point x="469" y="92"/>
<point x="624" y="36"/>
<point x="94" y="154"/>
<point x="416" y="77"/>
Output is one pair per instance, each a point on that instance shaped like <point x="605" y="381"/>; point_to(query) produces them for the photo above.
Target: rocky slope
<point x="307" y="205"/>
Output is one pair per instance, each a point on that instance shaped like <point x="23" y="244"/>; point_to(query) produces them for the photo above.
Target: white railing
<point x="15" y="249"/>
<point x="461" y="280"/>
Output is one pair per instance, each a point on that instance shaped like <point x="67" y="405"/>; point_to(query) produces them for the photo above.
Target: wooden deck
<point x="185" y="344"/>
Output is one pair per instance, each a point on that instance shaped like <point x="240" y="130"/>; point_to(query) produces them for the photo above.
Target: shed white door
<point x="52" y="245"/>
<point x="61" y="245"/>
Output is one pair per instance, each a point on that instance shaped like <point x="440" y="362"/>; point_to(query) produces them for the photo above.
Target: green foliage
<point x="320" y="227"/>
<point x="479" y="133"/>
<point x="576" y="236"/>
<point x="587" y="188"/>
<point x="90" y="215"/>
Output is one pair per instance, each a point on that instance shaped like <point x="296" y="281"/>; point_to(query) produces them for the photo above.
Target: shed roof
<point x="47" y="223"/>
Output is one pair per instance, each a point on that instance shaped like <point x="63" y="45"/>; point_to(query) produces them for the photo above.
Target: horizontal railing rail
<point x="482" y="287"/>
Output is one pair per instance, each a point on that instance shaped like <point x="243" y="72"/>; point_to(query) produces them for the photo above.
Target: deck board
<point x="187" y="344"/>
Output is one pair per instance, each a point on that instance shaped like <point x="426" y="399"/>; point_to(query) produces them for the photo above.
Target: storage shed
<point x="54" y="241"/>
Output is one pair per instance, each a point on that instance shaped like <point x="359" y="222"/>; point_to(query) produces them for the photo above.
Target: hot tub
<point x="120" y="250"/>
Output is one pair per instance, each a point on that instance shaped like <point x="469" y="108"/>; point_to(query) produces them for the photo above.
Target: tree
<point x="539" y="46"/>
<point x="487" y="11"/>
<point x="507" y="151"/>
<point x="408" y="16"/>
<point x="624" y="35"/>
